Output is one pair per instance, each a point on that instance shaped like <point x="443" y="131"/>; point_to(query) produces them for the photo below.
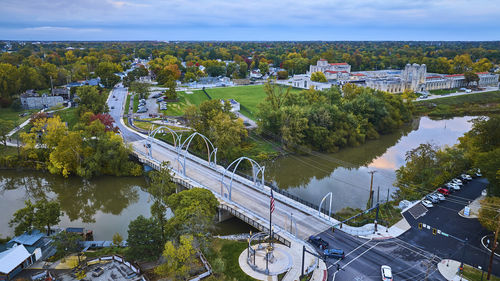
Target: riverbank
<point x="470" y="104"/>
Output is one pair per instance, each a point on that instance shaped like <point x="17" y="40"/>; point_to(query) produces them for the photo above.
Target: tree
<point x="462" y="63"/>
<point x="91" y="100"/>
<point x="23" y="219"/>
<point x="482" y="65"/>
<point x="471" y="77"/>
<point x="489" y="210"/>
<point x="140" y="88"/>
<point x="263" y="67"/>
<point x="144" y="239"/>
<point x="178" y="258"/>
<point x="243" y="69"/>
<point x="318" y="76"/>
<point x="106" y="120"/>
<point x="171" y="93"/>
<point x="47" y="213"/>
<point x="283" y="74"/>
<point x="117" y="239"/>
<point x="161" y="187"/>
<point x="67" y="242"/>
<point x="106" y="71"/>
<point x="194" y="211"/>
<point x="5" y="127"/>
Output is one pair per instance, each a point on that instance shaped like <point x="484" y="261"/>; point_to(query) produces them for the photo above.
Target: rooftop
<point x="12" y="257"/>
<point x="28" y="238"/>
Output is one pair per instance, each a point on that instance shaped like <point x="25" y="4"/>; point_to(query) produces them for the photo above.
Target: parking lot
<point x="444" y="217"/>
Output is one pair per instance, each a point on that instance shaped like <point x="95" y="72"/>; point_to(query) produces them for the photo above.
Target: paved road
<point x="116" y="109"/>
<point x="432" y="97"/>
<point x="444" y="216"/>
<point x="365" y="257"/>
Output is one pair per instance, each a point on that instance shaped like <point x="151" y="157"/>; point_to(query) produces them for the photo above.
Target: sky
<point x="250" y="20"/>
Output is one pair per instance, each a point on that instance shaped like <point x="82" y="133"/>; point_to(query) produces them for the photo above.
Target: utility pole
<point x="370" y="200"/>
<point x="378" y="194"/>
<point x="493" y="247"/>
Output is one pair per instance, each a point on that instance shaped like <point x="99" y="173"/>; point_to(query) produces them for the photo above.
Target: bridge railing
<point x="255" y="224"/>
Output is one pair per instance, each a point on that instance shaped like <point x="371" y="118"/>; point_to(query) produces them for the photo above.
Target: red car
<point x="444" y="191"/>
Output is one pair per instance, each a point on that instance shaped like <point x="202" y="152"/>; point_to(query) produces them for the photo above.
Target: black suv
<point x="318" y="242"/>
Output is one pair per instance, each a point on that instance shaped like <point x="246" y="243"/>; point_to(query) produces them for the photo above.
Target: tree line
<point x="328" y="120"/>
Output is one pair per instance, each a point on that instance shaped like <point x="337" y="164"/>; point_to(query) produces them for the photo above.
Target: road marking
<point x="359" y="256"/>
<point x="359" y="247"/>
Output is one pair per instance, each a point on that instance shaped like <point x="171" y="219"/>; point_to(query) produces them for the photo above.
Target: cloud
<point x="437" y="19"/>
<point x="60" y="29"/>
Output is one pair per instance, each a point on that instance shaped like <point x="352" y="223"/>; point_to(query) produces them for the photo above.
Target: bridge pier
<point x="223" y="215"/>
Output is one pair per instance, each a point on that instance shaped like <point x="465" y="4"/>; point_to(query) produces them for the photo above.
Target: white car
<point x="457" y="181"/>
<point x="440" y="196"/>
<point x="427" y="203"/>
<point x="453" y="185"/>
<point x="386" y="272"/>
<point x="478" y="174"/>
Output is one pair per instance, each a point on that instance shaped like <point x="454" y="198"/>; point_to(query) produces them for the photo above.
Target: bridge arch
<point x="329" y="194"/>
<point x="211" y="151"/>
<point x="152" y="133"/>
<point x="256" y="170"/>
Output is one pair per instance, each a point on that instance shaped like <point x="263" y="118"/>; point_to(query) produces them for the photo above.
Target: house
<point x="33" y="101"/>
<point x="22" y="251"/>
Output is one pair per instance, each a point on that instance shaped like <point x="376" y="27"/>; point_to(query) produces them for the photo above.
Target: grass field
<point x="69" y="115"/>
<point x="248" y="96"/>
<point x="443" y="91"/>
<point x="229" y="251"/>
<point x="136" y="103"/>
<point x="474" y="104"/>
<point x="127" y="105"/>
<point x="13" y="115"/>
<point x="474" y="274"/>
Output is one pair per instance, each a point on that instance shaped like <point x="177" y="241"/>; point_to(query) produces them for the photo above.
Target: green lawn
<point x="248" y="96"/>
<point x="69" y="116"/>
<point x="443" y="91"/>
<point x="13" y="115"/>
<point x="229" y="251"/>
<point x="470" y="104"/>
<point x="474" y="274"/>
<point x="136" y="103"/>
<point x="127" y="105"/>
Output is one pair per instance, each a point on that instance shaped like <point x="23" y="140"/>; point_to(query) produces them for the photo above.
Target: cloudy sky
<point x="250" y="19"/>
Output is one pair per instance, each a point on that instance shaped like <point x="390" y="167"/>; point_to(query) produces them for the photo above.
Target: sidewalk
<point x="449" y="270"/>
<point x="474" y="208"/>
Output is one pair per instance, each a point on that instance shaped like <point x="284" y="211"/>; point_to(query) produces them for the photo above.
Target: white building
<point x="322" y="66"/>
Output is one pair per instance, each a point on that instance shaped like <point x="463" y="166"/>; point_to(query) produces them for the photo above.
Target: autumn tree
<point x="117" y="239"/>
<point x="179" y="257"/>
<point x="318" y="76"/>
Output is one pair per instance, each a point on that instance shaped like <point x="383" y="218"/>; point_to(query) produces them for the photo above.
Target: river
<point x="106" y="205"/>
<point x="345" y="173"/>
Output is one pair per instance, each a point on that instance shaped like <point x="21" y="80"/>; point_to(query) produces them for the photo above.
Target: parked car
<point x="386" y="272"/>
<point x="478" y="174"/>
<point x="468" y="177"/>
<point x="318" y="242"/>
<point x="457" y="181"/>
<point x="440" y="196"/>
<point x="112" y="107"/>
<point x="465" y="177"/>
<point x="159" y="99"/>
<point x="142" y="110"/>
<point x="431" y="198"/>
<point x="427" y="203"/>
<point x="334" y="253"/>
<point x="444" y="191"/>
<point x="452" y="185"/>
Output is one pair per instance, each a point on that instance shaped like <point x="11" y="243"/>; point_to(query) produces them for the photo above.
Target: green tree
<point x="462" y="63"/>
<point x="243" y="69"/>
<point x="117" y="239"/>
<point x="282" y="75"/>
<point x="160" y="188"/>
<point x="144" y="239"/>
<point x="178" y="258"/>
<point x="140" y="88"/>
<point x="318" y="76"/>
<point x="23" y="219"/>
<point x="106" y="71"/>
<point x="471" y="77"/>
<point x="47" y="213"/>
<point x="482" y="65"/>
<point x="488" y="213"/>
<point x="91" y="100"/>
<point x="5" y="127"/>
<point x="263" y="67"/>
<point x="67" y="242"/>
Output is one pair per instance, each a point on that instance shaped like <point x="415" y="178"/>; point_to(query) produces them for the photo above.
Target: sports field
<point x="248" y="97"/>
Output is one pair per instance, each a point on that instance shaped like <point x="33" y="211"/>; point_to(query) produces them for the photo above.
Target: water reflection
<point x="345" y="173"/>
<point x="97" y="204"/>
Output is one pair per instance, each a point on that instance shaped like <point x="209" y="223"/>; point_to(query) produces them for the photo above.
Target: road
<point x="433" y="97"/>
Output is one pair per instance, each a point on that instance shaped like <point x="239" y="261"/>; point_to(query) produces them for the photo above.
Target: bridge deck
<point x="254" y="200"/>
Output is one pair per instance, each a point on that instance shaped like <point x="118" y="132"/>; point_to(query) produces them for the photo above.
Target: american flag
<point x="272" y="202"/>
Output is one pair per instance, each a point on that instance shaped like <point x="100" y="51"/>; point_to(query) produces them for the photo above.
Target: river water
<point x="345" y="173"/>
<point x="106" y="205"/>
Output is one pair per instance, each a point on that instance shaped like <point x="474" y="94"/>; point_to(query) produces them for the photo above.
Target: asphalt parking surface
<point x="444" y="216"/>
